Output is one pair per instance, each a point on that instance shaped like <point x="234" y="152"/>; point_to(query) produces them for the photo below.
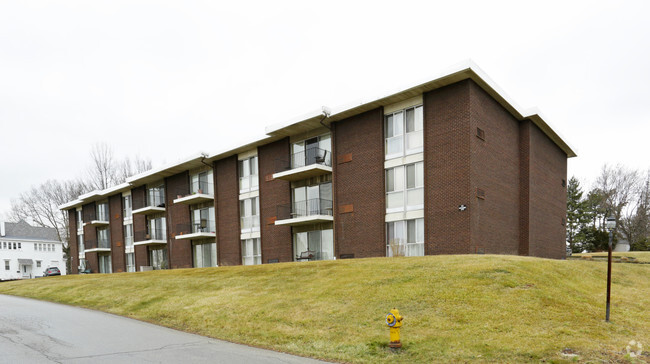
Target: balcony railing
<point x="197" y="229"/>
<point x="305" y="158"/>
<point x="201" y="187"/>
<point x="152" y="234"/>
<point x="156" y="198"/>
<point x="103" y="244"/>
<point x="313" y="207"/>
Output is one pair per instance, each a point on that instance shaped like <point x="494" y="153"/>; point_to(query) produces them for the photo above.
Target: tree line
<point x="40" y="204"/>
<point x="618" y="192"/>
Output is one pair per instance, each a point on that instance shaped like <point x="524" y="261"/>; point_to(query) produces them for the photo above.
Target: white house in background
<point x="26" y="251"/>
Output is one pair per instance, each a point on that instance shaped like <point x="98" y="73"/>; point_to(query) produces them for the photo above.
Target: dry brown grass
<point x="456" y="308"/>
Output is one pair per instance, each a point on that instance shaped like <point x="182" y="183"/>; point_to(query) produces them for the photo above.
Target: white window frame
<point x="249" y="255"/>
<point x="411" y="243"/>
<point x="248" y="170"/>
<point x="249" y="210"/>
<point x="399" y="133"/>
<point x="400" y="186"/>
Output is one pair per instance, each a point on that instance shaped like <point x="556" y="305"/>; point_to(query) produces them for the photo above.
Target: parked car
<point x="51" y="271"/>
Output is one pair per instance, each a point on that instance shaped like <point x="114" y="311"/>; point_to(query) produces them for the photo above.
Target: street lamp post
<point x="610" y="224"/>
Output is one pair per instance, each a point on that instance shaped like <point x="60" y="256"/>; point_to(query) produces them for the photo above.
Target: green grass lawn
<point x="456" y="308"/>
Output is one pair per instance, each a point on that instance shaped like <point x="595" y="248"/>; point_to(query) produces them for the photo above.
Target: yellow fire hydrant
<point x="394" y="321"/>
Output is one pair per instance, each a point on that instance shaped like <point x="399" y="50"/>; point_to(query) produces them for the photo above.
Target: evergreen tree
<point x="578" y="215"/>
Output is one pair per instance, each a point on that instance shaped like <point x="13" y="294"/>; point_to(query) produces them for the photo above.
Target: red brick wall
<point x="358" y="185"/>
<point x="495" y="170"/>
<point x="116" y="220"/>
<point x="227" y="211"/>
<point x="139" y="226"/>
<point x="524" y="187"/>
<point x="72" y="243"/>
<point x="447" y="169"/>
<point x="548" y="167"/>
<point x="178" y="220"/>
<point x="276" y="240"/>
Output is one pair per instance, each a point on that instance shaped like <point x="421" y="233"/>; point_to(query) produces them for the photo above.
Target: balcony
<point x="103" y="245"/>
<point x="153" y="237"/>
<point x="155" y="203"/>
<point x="305" y="212"/>
<point x="308" y="163"/>
<point x="100" y="221"/>
<point x="197" y="230"/>
<point x="200" y="191"/>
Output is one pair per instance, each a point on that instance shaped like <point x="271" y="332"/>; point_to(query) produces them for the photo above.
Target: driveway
<point x="34" y="331"/>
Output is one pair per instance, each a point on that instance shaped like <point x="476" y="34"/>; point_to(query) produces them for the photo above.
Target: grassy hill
<point x="456" y="308"/>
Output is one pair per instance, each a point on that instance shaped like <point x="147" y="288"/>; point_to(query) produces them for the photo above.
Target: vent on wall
<point x="480" y="133"/>
<point x="563" y="182"/>
<point x="480" y="193"/>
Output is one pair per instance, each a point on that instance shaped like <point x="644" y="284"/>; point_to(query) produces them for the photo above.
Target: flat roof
<point x="312" y="120"/>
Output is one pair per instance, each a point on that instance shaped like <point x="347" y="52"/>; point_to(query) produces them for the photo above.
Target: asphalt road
<point x="34" y="331"/>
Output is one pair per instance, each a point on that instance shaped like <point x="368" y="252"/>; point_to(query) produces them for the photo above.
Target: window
<point x="14" y="246"/>
<point x="38" y="264"/>
<point x="127" y="207"/>
<point x="205" y="253"/>
<point x="405" y="187"/>
<point x="158" y="258"/>
<point x="250" y="216"/>
<point x="102" y="211"/>
<point x="156" y="227"/>
<point x="128" y="235"/>
<point x="19" y="246"/>
<point x="314" y="245"/>
<point x="105" y="263"/>
<point x="103" y="239"/>
<point x="201" y="183"/>
<point x="316" y="150"/>
<point x="405" y="238"/>
<point x="7" y="265"/>
<point x="251" y="252"/>
<point x="404" y="132"/>
<point x="203" y="218"/>
<point x="156" y="195"/>
<point x="130" y="262"/>
<point x="248" y="175"/>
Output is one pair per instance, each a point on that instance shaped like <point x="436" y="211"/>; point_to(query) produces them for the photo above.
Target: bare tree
<point x="106" y="171"/>
<point x="41" y="205"/>
<point x="619" y="187"/>
<point x="102" y="169"/>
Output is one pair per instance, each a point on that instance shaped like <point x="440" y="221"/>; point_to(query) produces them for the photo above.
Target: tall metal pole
<point x="609" y="273"/>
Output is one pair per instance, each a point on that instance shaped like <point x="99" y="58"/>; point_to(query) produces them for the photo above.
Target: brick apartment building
<point x="449" y="166"/>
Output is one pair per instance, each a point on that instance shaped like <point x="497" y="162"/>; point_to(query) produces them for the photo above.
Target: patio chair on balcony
<point x="306" y="255"/>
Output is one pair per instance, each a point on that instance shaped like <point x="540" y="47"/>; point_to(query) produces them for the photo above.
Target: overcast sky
<point x="165" y="79"/>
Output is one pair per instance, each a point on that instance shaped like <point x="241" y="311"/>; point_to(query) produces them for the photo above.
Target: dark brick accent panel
<point x="138" y="195"/>
<point x="447" y="169"/>
<point x="548" y="167"/>
<point x="178" y="220"/>
<point x="116" y="220"/>
<point x="276" y="240"/>
<point x="358" y="181"/>
<point x="72" y="242"/>
<point x="227" y="211"/>
<point x="494" y="169"/>
<point x="90" y="236"/>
